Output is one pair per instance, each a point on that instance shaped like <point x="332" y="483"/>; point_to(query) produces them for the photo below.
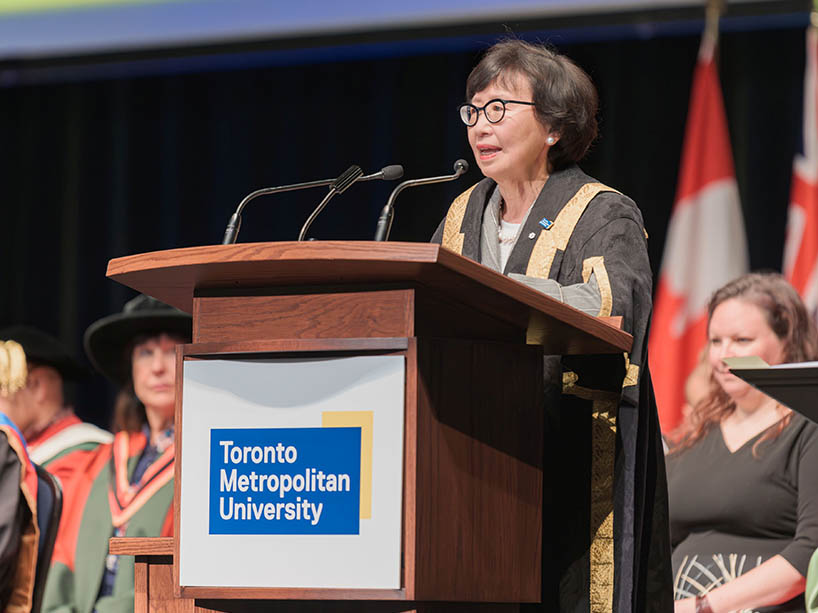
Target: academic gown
<point x="19" y="534"/>
<point x="605" y="535"/>
<point x="104" y="500"/>
<point x="66" y="445"/>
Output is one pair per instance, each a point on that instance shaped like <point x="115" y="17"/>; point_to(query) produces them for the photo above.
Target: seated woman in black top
<point x="743" y="485"/>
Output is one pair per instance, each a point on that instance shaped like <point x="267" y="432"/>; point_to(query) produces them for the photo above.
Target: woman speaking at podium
<point x="126" y="489"/>
<point x="536" y="217"/>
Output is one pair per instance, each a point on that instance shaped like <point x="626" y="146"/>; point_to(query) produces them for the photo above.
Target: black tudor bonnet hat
<point x="106" y="339"/>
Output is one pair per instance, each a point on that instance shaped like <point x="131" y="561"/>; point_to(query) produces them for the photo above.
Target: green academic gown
<point x="82" y="545"/>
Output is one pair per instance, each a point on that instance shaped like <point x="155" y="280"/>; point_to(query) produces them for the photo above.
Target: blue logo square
<point x="285" y="480"/>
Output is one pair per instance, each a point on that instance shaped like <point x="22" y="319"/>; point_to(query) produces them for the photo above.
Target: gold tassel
<point x="13" y="371"/>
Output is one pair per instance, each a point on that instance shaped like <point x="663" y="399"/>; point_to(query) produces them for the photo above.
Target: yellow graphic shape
<point x="362" y="420"/>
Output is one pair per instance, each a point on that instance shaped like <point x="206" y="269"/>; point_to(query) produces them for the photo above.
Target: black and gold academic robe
<point x="605" y="538"/>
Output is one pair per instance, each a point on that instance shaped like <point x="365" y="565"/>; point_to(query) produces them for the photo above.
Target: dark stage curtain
<point x="95" y="169"/>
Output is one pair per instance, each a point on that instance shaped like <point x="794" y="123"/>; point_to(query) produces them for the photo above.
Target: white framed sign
<point x="292" y="472"/>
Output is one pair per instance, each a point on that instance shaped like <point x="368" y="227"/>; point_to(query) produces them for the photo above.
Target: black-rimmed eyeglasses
<point x="494" y="110"/>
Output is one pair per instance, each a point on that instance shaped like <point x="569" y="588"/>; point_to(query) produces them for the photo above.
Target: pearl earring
<point x="550" y="140"/>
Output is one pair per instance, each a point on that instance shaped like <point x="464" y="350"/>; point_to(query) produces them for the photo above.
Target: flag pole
<point x="714" y="9"/>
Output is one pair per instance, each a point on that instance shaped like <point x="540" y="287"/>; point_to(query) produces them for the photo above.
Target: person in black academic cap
<point x="129" y="484"/>
<point x="56" y="438"/>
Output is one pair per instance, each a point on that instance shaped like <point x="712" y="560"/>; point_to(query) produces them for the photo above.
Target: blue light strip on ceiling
<point x="95" y="69"/>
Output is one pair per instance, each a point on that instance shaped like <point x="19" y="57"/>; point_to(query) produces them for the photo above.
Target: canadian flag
<point x="705" y="246"/>
<point x="801" y="246"/>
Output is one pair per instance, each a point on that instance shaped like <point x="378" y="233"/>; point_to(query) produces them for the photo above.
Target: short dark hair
<point x="565" y="98"/>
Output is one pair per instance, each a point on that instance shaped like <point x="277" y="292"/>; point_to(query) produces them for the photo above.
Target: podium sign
<point x="293" y="473"/>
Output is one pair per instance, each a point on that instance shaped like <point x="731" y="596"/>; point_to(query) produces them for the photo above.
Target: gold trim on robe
<point x="545" y="250"/>
<point x="557" y="237"/>
<point x="603" y="446"/>
<point x="631" y="372"/>
<point x="452" y="236"/>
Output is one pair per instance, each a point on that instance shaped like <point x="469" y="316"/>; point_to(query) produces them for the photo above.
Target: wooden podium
<point x="472" y="341"/>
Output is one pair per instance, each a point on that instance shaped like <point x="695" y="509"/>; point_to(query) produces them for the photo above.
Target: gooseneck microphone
<point x="346" y="179"/>
<point x="384" y="226"/>
<point x="351" y="175"/>
<point x="231" y="232"/>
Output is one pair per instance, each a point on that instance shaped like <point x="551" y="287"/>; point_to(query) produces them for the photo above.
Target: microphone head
<point x="461" y="166"/>
<point x="393" y="172"/>
<point x="347" y="178"/>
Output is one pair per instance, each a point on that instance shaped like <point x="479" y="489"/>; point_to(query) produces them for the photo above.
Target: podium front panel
<point x="293" y="472"/>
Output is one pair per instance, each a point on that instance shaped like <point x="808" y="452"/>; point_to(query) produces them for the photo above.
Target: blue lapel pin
<point x="546" y="223"/>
